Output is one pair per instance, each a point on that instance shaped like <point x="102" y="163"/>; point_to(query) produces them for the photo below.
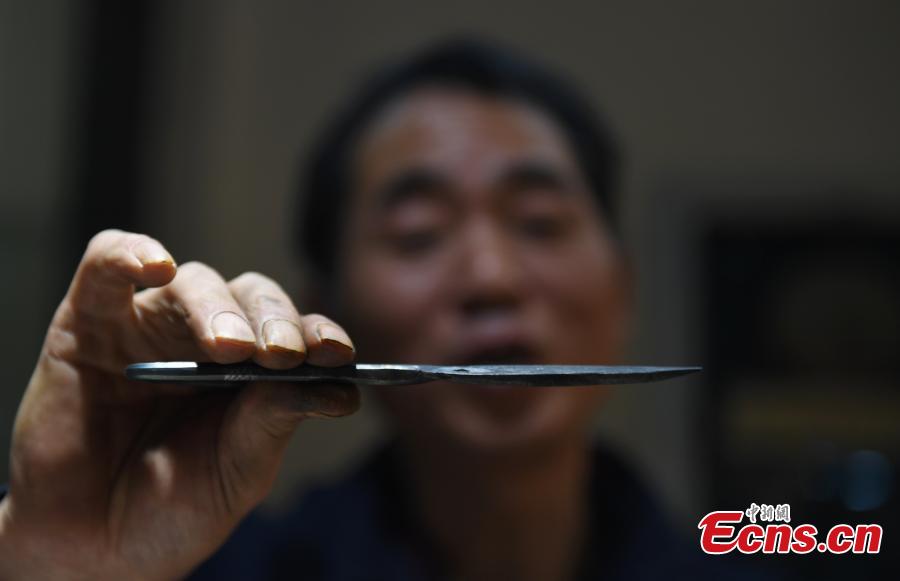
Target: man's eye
<point x="544" y="227"/>
<point x="415" y="243"/>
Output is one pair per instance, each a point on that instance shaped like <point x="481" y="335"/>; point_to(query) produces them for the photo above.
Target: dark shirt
<point x="364" y="528"/>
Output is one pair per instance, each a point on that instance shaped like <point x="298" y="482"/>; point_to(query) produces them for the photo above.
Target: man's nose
<point x="492" y="270"/>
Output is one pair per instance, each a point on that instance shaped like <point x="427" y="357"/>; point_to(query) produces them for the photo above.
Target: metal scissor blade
<point x="556" y="375"/>
<point x="216" y="375"/>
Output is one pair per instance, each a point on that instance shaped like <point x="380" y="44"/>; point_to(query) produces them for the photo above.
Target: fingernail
<point x="150" y="252"/>
<point x="330" y="334"/>
<point x="228" y="326"/>
<point x="284" y="335"/>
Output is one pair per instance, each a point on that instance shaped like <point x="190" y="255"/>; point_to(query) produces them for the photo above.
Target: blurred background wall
<point x="185" y="120"/>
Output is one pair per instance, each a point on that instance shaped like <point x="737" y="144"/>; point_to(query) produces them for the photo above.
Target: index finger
<point x="113" y="264"/>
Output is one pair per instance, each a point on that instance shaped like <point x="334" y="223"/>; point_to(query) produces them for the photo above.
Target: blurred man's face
<point x="472" y="238"/>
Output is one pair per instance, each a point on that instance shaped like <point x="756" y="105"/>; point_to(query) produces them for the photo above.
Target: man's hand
<point x="113" y="479"/>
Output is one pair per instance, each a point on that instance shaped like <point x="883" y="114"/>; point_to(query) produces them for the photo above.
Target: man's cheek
<point x="383" y="324"/>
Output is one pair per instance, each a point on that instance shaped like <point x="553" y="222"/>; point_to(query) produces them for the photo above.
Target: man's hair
<point x="461" y="63"/>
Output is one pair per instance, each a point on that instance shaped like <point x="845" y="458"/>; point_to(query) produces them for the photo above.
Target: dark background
<point x="762" y="205"/>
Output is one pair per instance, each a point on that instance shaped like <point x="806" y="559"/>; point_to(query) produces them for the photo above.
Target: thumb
<point x="260" y="422"/>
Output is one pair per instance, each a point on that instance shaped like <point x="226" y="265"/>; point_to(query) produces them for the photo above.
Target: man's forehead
<point x="473" y="136"/>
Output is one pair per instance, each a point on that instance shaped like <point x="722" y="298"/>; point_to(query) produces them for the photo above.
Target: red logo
<point x="720" y="533"/>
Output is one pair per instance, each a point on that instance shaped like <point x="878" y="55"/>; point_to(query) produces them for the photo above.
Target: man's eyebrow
<point x="411" y="184"/>
<point x="535" y="174"/>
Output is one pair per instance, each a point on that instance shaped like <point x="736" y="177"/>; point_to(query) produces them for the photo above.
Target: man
<point x="458" y="212"/>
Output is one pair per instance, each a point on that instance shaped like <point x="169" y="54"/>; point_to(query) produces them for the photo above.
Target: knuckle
<point x="132" y="240"/>
<point x="110" y="245"/>
<point x="102" y="239"/>
<point x="195" y="268"/>
<point x="263" y="301"/>
<point x="316" y="318"/>
<point x="106" y="255"/>
<point x="251" y="279"/>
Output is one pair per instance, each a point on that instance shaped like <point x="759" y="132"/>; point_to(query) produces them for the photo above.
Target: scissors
<point x="234" y="375"/>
